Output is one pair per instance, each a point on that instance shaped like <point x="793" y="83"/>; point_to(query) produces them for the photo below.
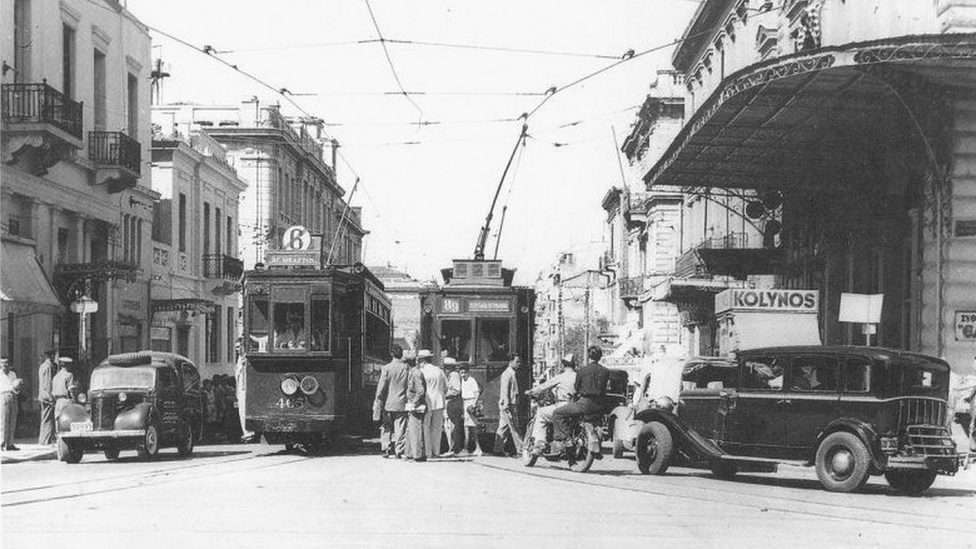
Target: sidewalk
<point x="29" y="450"/>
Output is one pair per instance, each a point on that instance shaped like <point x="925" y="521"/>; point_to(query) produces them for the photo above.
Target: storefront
<point x="867" y="145"/>
<point x="752" y="319"/>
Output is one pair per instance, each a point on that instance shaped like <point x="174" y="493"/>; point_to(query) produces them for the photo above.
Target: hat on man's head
<point x="65" y="360"/>
<point x="449" y="361"/>
<point x="569" y="359"/>
<point x="409" y="354"/>
<point x="424" y="353"/>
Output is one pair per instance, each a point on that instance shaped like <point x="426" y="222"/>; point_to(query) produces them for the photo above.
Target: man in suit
<point x="436" y="383"/>
<point x="45" y="375"/>
<point x="508" y="392"/>
<point x="391" y="398"/>
<point x="416" y="408"/>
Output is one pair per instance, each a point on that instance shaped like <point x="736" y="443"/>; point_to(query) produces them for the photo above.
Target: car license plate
<point x="286" y="426"/>
<point x="80" y="426"/>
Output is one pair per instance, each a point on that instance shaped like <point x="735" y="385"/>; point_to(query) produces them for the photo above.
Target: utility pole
<point x="586" y="316"/>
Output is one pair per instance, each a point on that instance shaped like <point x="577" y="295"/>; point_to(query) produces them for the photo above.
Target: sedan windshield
<point x="123" y="378"/>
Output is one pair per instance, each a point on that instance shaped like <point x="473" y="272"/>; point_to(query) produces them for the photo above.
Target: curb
<point x="28" y="454"/>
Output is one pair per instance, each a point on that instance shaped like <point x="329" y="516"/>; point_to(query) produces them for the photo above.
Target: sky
<point x="426" y="188"/>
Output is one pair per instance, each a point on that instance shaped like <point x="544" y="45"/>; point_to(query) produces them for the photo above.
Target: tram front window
<point x="456" y="339"/>
<point x="258" y="325"/>
<point x="494" y="340"/>
<point x="290" y="332"/>
<point x="320" y="323"/>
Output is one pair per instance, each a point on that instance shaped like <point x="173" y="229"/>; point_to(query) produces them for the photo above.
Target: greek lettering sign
<point x="289" y="258"/>
<point x="489" y="306"/>
<point x="796" y="301"/>
<point x="965" y="325"/>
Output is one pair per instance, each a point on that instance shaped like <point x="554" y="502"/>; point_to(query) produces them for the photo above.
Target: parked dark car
<point x="851" y="412"/>
<point x="142" y="401"/>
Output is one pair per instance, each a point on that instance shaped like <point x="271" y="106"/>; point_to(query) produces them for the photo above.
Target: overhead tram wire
<point x="209" y="52"/>
<point x="389" y="60"/>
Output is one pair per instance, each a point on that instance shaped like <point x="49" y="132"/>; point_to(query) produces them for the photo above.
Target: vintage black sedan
<point x="142" y="401"/>
<point x="851" y="412"/>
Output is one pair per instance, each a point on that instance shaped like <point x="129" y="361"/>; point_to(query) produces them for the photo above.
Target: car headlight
<point x="309" y="385"/>
<point x="123" y="397"/>
<point x="289" y="385"/>
<point x="82" y="398"/>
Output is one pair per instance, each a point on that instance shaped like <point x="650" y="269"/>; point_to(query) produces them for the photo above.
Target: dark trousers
<point x="566" y="416"/>
<point x="455" y="412"/>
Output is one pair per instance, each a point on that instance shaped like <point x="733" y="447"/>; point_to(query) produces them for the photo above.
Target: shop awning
<point x="805" y="119"/>
<point x="756" y="330"/>
<point x="22" y="281"/>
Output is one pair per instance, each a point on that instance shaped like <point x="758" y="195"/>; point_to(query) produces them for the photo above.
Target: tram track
<point x="144" y="479"/>
<point x="838" y="510"/>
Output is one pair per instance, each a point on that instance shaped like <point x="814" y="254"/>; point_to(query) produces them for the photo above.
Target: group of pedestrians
<point x="220" y="409"/>
<point x="418" y="403"/>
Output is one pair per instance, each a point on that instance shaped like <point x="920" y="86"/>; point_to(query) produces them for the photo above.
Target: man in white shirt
<point x="436" y="397"/>
<point x="563" y="388"/>
<point x="10" y="386"/>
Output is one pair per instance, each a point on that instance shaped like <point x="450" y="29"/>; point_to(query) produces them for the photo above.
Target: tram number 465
<point x="289" y="403"/>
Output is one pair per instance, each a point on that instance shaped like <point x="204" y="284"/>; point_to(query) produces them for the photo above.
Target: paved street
<point x="260" y="496"/>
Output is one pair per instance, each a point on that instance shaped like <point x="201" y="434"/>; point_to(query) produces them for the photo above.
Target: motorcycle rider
<point x="591" y="387"/>
<point x="563" y="387"/>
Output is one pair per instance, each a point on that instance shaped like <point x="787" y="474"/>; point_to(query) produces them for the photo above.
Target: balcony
<point x="117" y="158"/>
<point x="222" y="266"/>
<point x="631" y="288"/>
<point x="729" y="255"/>
<point x="41" y="126"/>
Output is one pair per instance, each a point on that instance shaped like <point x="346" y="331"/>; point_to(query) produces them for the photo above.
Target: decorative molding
<point x="70" y="15"/>
<point x="133" y="65"/>
<point x="101" y="39"/>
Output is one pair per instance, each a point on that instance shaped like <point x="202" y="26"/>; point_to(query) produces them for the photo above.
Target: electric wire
<point x="389" y="60"/>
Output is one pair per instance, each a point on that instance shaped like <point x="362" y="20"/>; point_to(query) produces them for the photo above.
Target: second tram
<point x="479" y="318"/>
<point x="315" y="339"/>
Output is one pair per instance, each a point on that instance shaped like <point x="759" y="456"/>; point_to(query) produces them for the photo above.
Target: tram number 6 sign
<point x="296" y="238"/>
<point x="966" y="326"/>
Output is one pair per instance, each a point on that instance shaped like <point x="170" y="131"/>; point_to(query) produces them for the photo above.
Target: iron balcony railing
<point x="115" y="149"/>
<point x="222" y="266"/>
<point x="688" y="265"/>
<point x="631" y="287"/>
<point x="40" y="103"/>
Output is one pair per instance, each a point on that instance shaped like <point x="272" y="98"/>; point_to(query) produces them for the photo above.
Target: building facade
<point x="195" y="266"/>
<point x="76" y="201"/>
<point x="288" y="180"/>
<point x="845" y="129"/>
<point x="404" y="292"/>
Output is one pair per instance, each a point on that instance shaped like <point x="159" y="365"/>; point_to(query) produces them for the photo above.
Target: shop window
<point x="456" y="339"/>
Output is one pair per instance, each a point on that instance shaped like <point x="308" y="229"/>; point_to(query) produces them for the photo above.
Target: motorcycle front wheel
<point x="580" y="457"/>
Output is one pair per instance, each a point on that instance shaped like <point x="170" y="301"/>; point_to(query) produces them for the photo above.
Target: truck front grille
<point x="921" y="411"/>
<point x="103" y="413"/>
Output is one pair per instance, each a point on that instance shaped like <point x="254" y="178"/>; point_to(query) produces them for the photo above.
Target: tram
<point x="479" y="318"/>
<point x="315" y="339"/>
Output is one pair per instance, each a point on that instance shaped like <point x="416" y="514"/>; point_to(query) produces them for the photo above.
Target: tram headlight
<point x="289" y="385"/>
<point x="309" y="385"/>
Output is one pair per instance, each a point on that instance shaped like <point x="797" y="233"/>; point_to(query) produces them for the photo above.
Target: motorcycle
<point x="582" y="447"/>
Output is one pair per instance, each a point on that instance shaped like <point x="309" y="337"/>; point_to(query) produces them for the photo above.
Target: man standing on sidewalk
<point x="61" y="386"/>
<point x="508" y="392"/>
<point x="9" y="390"/>
<point x="45" y="375"/>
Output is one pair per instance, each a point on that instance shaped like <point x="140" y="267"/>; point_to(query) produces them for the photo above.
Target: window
<point x="217" y="243"/>
<point x="258" y="323"/>
<point x="182" y="223"/>
<point x="167" y="378"/>
<point x="857" y="376"/>
<point x="814" y="373"/>
<point x="290" y="331"/>
<point x="68" y="61"/>
<point x="321" y="337"/>
<point x="206" y="228"/>
<point x="22" y="41"/>
<point x="213" y="335"/>
<point x="230" y="334"/>
<point x="191" y="378"/>
<point x="133" y="106"/>
<point x="125" y="238"/>
<point x="230" y="237"/>
<point x="709" y="375"/>
<point x="456" y="339"/>
<point x="764" y="373"/>
<point x="63" y="256"/>
<point x="494" y="340"/>
<point x="98" y="69"/>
